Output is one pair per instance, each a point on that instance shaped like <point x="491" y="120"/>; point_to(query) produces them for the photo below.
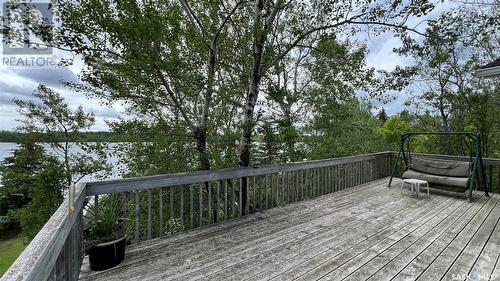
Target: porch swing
<point x="447" y="174"/>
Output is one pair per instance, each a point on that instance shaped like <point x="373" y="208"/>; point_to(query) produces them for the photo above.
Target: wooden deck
<point x="366" y="232"/>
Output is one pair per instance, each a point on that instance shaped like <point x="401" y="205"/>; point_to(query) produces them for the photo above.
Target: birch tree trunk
<point x="260" y="31"/>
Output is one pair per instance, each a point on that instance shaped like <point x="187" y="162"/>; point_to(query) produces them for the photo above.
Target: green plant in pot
<point x="105" y="238"/>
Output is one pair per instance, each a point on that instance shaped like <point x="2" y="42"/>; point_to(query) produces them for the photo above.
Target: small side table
<point x="415" y="183"/>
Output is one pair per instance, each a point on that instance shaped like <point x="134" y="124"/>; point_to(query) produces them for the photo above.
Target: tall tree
<point x="163" y="59"/>
<point x="18" y="176"/>
<point x="301" y="20"/>
<point x="51" y="116"/>
<point x="457" y="43"/>
<point x="382" y="116"/>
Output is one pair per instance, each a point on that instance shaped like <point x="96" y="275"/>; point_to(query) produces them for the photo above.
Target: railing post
<point x="71" y="201"/>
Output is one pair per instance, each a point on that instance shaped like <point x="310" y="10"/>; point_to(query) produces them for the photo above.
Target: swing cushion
<point x="449" y="173"/>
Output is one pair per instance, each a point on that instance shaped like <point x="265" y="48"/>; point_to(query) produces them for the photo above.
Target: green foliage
<point x="390" y="132"/>
<point x="341" y="129"/>
<point x="18" y="177"/>
<point x="104" y="220"/>
<point x="46" y="196"/>
<point x="382" y="116"/>
<point x="52" y="117"/>
<point x="448" y="96"/>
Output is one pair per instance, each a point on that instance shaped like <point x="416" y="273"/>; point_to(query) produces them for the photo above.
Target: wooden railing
<point x="162" y="205"/>
<point x="56" y="251"/>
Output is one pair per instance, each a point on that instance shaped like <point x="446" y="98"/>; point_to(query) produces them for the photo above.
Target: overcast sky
<point x="20" y="83"/>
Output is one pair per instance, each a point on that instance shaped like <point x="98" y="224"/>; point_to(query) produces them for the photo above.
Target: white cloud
<point x="20" y="83"/>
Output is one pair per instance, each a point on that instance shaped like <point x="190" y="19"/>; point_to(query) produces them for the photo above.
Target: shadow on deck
<point x="366" y="232"/>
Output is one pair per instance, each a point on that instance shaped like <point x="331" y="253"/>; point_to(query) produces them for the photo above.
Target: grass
<point x="10" y="248"/>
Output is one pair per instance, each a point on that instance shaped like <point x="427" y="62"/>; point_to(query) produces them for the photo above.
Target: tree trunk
<point x="259" y="38"/>
<point x="200" y="132"/>
<point x="201" y="146"/>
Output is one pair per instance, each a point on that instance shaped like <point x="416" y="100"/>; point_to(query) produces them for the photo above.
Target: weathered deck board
<point x="396" y="242"/>
<point x="366" y="231"/>
<point x="389" y="263"/>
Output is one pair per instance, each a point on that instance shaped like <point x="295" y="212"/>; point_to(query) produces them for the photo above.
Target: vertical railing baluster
<point x="191" y="207"/>
<point x="344" y="177"/>
<point x="490" y="178"/>
<point x="308" y="190"/>
<point x="296" y="175"/>
<point x="318" y="180"/>
<point x="287" y="175"/>
<point x="254" y="194"/>
<point x="217" y="202"/>
<point x="312" y="182"/>
<point x="298" y="184"/>
<point x="283" y="188"/>
<point x="325" y="178"/>
<point x="279" y="187"/>
<point x="335" y="178"/>
<point x="137" y="217"/>
<point x="96" y="205"/>
<point x="233" y="199"/>
<point x="181" y="207"/>
<point x="340" y="174"/>
<point x="149" y="214"/>
<point x="271" y="186"/>
<point x="497" y="190"/>
<point x="356" y="173"/>
<point x="353" y="174"/>
<point x="209" y="206"/>
<point x="301" y="185"/>
<point x="171" y="206"/>
<point x="225" y="200"/>
<point x="160" y="214"/>
<point x="200" y="197"/>
<point x="330" y="181"/>
<point x="276" y="198"/>
<point x="350" y="175"/>
<point x="265" y="192"/>
<point x="240" y="199"/>
<point x="321" y="178"/>
<point x="364" y="172"/>
<point x="292" y="186"/>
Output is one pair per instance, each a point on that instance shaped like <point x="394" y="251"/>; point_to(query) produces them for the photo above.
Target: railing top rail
<point x="141" y="183"/>
<point x="38" y="259"/>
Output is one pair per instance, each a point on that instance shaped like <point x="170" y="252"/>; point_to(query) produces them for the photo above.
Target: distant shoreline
<point x="103" y="136"/>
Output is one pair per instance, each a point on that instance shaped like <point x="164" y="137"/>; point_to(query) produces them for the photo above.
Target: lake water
<point x="7" y="148"/>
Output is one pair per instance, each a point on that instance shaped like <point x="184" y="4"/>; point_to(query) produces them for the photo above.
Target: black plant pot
<point x="107" y="255"/>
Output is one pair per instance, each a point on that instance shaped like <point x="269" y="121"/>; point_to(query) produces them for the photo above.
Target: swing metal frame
<point x="477" y="163"/>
